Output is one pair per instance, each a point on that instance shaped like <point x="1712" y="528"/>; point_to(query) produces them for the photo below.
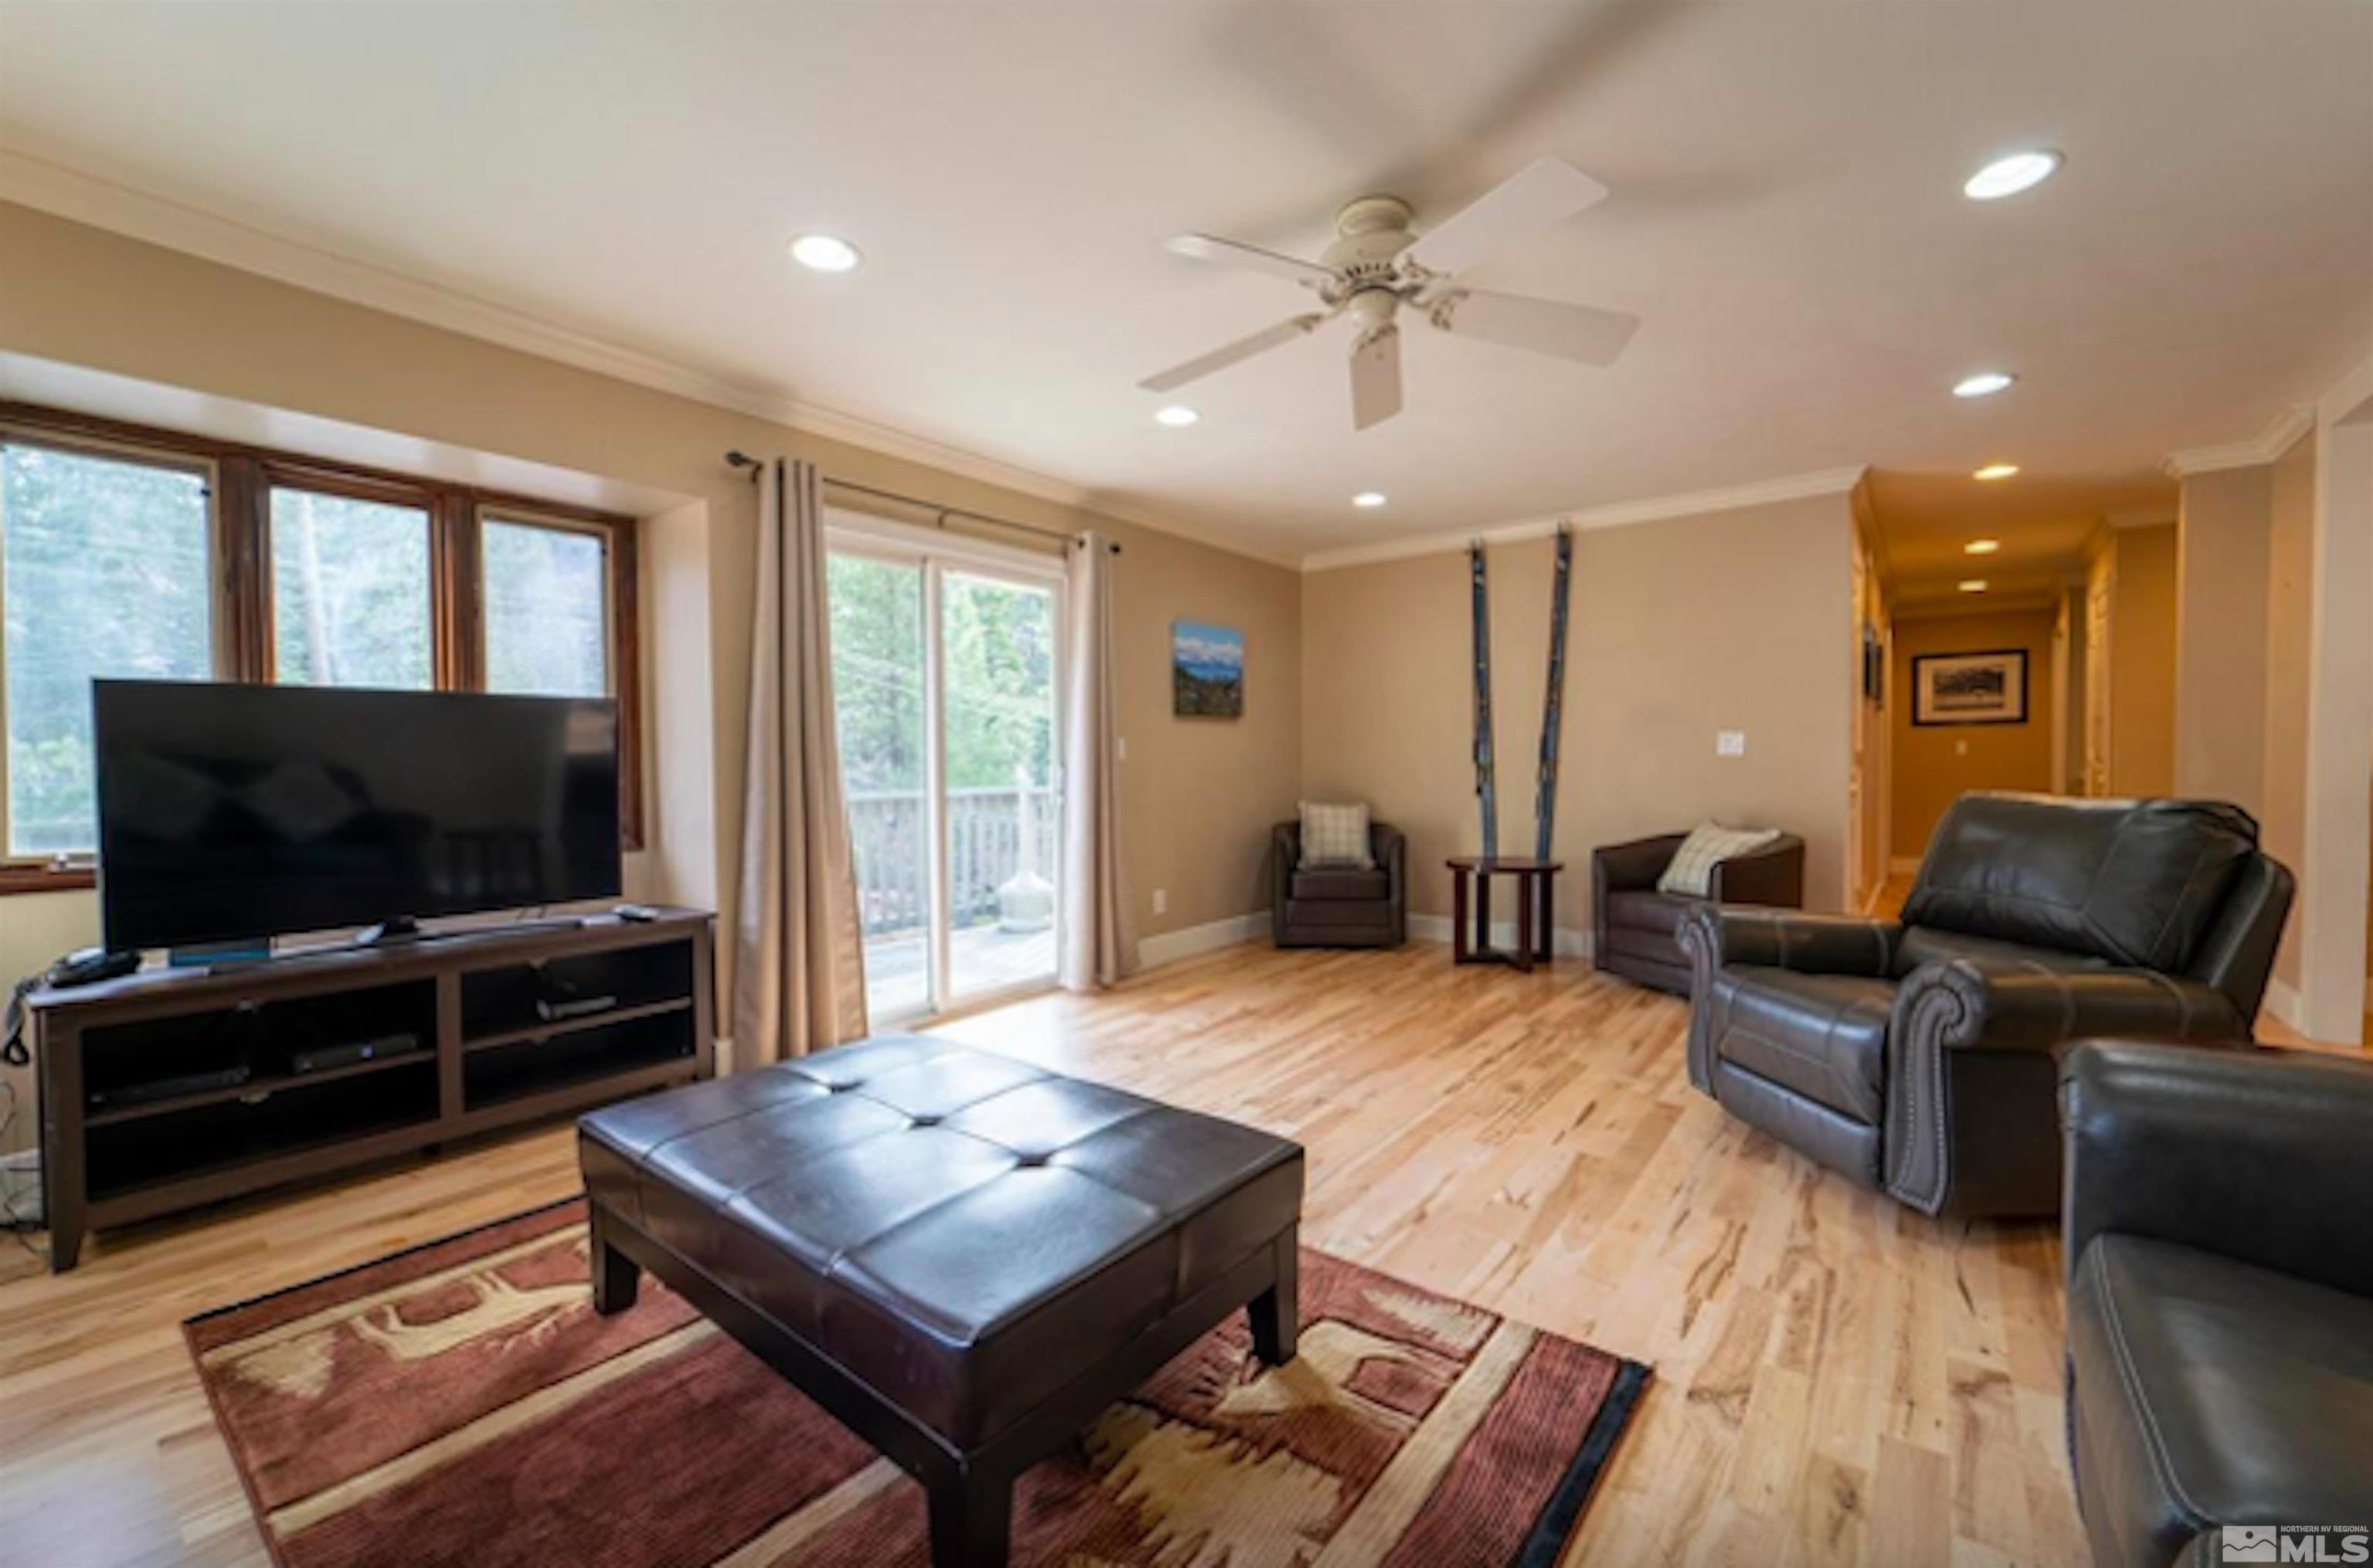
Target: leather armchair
<point x="1330" y="907"/>
<point x="1635" y="931"/>
<point x="1919" y="1055"/>
<point x="2219" y="1247"/>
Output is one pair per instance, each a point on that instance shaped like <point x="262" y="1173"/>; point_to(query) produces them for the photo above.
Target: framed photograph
<point x="1207" y="670"/>
<point x="1970" y="688"/>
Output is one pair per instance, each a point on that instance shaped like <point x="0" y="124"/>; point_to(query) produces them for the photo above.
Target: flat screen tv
<point x="230" y="811"/>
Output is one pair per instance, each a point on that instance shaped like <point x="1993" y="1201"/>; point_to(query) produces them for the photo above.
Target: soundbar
<point x="153" y="1089"/>
<point x="553" y="1011"/>
<point x="321" y="1058"/>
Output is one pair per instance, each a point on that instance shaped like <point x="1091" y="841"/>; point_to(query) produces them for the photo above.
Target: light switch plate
<point x="1730" y="742"/>
<point x="1161" y="901"/>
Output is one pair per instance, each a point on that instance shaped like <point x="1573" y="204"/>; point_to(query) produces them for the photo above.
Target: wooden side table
<point x="1536" y="908"/>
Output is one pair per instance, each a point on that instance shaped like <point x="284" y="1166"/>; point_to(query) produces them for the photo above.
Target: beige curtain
<point x="1099" y="943"/>
<point x="799" y="982"/>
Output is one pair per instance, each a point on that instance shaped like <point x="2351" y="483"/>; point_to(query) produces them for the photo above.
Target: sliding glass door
<point x="879" y="678"/>
<point x="945" y="675"/>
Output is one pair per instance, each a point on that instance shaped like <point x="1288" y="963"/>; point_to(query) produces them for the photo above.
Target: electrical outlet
<point x="1161" y="901"/>
<point x="1120" y="748"/>
<point x="1730" y="742"/>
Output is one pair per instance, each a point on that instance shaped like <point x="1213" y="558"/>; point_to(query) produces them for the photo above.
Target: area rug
<point x="460" y="1402"/>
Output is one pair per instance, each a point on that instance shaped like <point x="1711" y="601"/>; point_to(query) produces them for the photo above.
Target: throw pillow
<point x="1709" y="843"/>
<point x="1335" y="835"/>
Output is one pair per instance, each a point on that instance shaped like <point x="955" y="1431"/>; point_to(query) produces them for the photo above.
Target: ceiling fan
<point x="1376" y="265"/>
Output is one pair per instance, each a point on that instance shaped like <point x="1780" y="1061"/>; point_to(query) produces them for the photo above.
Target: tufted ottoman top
<point x="963" y="1232"/>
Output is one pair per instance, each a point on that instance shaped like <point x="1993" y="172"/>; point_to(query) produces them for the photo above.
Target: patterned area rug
<point x="462" y="1403"/>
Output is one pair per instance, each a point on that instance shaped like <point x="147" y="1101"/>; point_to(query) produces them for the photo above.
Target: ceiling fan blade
<point x="1229" y="252"/>
<point x="1377" y="377"/>
<point x="1544" y="326"/>
<point x="1545" y="191"/>
<point x="1261" y="342"/>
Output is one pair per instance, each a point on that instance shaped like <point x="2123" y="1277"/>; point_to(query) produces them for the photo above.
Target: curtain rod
<point x="940" y="512"/>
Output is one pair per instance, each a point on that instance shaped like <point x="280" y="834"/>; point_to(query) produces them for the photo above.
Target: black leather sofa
<point x="1917" y="1055"/>
<point x="1636" y="930"/>
<point x="2219" y="1248"/>
<point x="1338" y="906"/>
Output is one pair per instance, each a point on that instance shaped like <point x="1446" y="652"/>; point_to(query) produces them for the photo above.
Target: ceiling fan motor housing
<point x="1371" y="233"/>
<point x="1373" y="309"/>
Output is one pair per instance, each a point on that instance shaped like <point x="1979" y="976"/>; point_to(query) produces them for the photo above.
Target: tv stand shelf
<point x="169" y="1089"/>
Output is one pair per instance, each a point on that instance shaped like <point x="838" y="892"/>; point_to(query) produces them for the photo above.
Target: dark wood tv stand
<point x="168" y="1089"/>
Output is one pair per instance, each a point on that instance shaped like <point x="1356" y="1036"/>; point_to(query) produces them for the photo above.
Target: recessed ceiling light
<point x="1981" y="546"/>
<point x="1178" y="415"/>
<point x="1370" y="498"/>
<point x="1973" y="585"/>
<point x="1997" y="471"/>
<point x="2009" y="176"/>
<point x="1985" y="384"/>
<point x="824" y="253"/>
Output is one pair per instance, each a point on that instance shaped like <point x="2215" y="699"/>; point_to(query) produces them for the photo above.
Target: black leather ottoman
<point x="964" y="1258"/>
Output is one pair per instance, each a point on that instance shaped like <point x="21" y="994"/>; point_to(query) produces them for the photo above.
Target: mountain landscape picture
<point x="1207" y="670"/>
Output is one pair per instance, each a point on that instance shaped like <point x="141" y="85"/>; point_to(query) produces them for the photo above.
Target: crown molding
<point x="2270" y="443"/>
<point x="177" y="226"/>
<point x="2347" y="398"/>
<point x="1622" y="514"/>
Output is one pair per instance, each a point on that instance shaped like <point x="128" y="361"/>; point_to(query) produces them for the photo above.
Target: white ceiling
<point x="2042" y="524"/>
<point x="1786" y="216"/>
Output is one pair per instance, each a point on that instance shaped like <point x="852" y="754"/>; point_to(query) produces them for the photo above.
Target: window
<point x="106" y="571"/>
<point x="350" y="601"/>
<point x="546" y="592"/>
<point x="136" y="553"/>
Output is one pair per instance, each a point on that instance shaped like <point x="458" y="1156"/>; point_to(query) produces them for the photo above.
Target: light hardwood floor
<point x="1838" y="1380"/>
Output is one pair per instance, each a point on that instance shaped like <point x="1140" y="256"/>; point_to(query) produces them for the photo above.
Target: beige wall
<point x="1935" y="764"/>
<point x="2069" y="690"/>
<point x="1736" y="620"/>
<point x="2244" y="627"/>
<point x="2244" y="623"/>
<point x="1197" y="797"/>
<point x="2289" y="625"/>
<point x="2223" y="525"/>
<point x="2142" y="664"/>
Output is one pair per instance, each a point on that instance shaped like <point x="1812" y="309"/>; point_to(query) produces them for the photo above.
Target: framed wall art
<point x="1207" y="670"/>
<point x="1970" y="688"/>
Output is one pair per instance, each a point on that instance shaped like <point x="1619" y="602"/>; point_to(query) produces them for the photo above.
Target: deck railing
<point x="888" y="830"/>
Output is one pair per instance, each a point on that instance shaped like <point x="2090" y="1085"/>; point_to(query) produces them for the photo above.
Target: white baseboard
<point x="1567" y="942"/>
<point x="1194" y="941"/>
<point x="2284" y="1001"/>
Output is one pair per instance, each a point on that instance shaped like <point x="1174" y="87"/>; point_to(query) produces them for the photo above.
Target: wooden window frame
<point x="241" y="479"/>
<point x="60" y="873"/>
<point x="622" y="610"/>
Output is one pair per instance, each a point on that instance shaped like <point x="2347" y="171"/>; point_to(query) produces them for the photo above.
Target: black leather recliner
<point x="1636" y="930"/>
<point x="1338" y="906"/>
<point x="2219" y="1248"/>
<point x="1918" y="1054"/>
